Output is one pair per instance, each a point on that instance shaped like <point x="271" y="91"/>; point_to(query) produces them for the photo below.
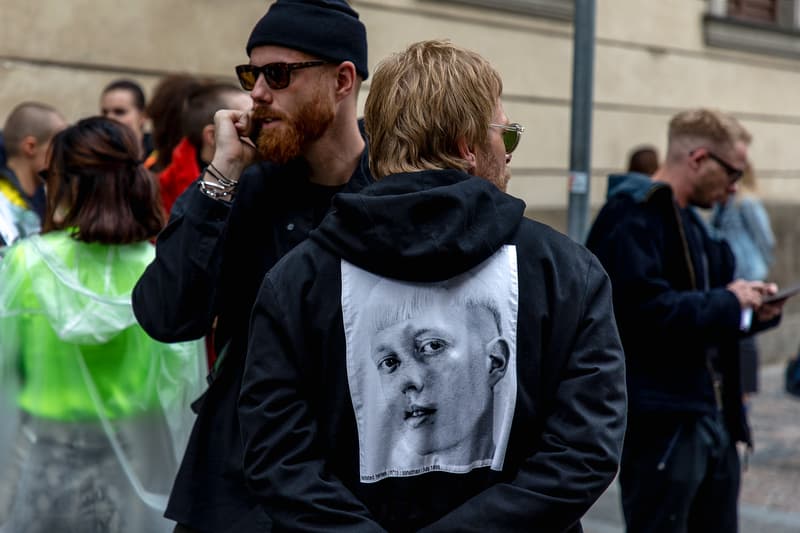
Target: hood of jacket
<point x="83" y="289"/>
<point x="421" y="226"/>
<point x="635" y="185"/>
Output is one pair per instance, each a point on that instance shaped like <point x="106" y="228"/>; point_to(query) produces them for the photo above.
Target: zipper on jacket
<point x="716" y="382"/>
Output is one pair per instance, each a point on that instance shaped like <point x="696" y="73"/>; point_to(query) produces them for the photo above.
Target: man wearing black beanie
<point x="270" y="182"/>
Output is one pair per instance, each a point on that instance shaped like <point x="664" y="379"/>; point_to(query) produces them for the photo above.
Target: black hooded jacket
<point x="677" y="320"/>
<point x="305" y="409"/>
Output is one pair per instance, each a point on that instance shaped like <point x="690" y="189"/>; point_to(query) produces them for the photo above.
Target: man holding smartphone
<point x="681" y="315"/>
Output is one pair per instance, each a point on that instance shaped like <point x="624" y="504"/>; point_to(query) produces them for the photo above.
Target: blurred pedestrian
<point x="28" y="131"/>
<point x="196" y="148"/>
<point x="744" y="223"/>
<point x="99" y="411"/>
<point x="644" y="160"/>
<point x="165" y="109"/>
<point x="307" y="61"/>
<point x="123" y="100"/>
<point x="681" y="313"/>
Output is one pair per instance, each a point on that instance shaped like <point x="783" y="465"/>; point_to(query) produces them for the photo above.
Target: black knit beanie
<point x="328" y="29"/>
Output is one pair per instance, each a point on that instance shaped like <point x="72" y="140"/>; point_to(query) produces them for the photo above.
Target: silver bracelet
<point x="207" y="188"/>
<point x="217" y="186"/>
<point x="220" y="177"/>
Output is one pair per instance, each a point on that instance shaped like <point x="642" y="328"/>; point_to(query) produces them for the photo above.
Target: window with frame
<point x="555" y="9"/>
<point x="753" y="10"/>
<point x="769" y="27"/>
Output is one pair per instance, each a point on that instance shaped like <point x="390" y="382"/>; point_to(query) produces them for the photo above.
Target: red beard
<point x="294" y="133"/>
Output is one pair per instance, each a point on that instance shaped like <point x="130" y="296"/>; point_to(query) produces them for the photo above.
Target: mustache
<point x="263" y="113"/>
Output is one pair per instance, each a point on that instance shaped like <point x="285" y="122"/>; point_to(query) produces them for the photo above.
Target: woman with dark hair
<point x="124" y="101"/>
<point x="165" y="110"/>
<point x="95" y="413"/>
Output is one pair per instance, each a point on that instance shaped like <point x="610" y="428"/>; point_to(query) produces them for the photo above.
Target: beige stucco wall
<point x="650" y="62"/>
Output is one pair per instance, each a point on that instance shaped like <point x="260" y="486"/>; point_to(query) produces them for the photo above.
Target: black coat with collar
<point x="210" y="260"/>
<point x="671" y="316"/>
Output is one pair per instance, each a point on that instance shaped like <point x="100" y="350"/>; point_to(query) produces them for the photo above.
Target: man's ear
<point x="346" y="77"/>
<point x="28" y="145"/>
<point x="499" y="354"/>
<point x="694" y="161"/>
<point x="467" y="154"/>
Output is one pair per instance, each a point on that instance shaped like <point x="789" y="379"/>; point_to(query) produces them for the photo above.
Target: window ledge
<point x="735" y="34"/>
<point x="554" y="9"/>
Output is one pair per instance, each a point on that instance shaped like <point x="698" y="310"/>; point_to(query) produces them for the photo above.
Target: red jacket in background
<point x="179" y="174"/>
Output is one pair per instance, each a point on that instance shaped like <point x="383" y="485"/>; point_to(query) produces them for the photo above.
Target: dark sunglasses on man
<point x="511" y="135"/>
<point x="277" y="75"/>
<point x="734" y="174"/>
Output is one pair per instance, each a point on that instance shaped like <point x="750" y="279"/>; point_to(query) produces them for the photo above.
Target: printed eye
<point x="388" y="364"/>
<point x="432" y="346"/>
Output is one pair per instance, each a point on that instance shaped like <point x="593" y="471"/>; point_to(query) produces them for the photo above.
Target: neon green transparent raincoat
<point x="94" y="414"/>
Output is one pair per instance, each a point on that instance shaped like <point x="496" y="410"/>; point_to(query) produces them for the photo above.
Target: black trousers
<point x="679" y="475"/>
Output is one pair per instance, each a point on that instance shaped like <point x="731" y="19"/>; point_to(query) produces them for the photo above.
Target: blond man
<point x="681" y="315"/>
<point x="430" y="359"/>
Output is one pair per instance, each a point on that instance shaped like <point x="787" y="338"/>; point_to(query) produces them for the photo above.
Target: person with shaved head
<point x="27" y="133"/>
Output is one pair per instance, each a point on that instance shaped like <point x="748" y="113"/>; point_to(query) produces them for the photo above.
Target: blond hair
<point x="748" y="185"/>
<point x="422" y="101"/>
<point x="696" y="127"/>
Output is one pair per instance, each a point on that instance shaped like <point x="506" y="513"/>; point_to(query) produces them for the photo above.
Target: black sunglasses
<point x="511" y="135"/>
<point x="277" y="75"/>
<point x="734" y="174"/>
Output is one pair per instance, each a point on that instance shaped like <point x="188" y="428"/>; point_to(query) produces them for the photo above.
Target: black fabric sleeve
<point x="577" y="455"/>
<point x="283" y="462"/>
<point x="646" y="298"/>
<point x="174" y="300"/>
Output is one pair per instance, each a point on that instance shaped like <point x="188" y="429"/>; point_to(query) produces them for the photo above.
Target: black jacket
<point x="210" y="261"/>
<point x="315" y="453"/>
<point x="674" y="320"/>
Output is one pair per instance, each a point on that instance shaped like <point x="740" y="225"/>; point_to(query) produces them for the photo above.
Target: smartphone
<point x="782" y="294"/>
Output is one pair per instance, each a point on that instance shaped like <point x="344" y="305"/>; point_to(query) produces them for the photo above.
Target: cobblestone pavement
<point x="771" y="483"/>
<point x="772" y="478"/>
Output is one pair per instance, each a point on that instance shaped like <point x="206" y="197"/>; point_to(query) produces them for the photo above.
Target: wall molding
<point x="752" y="37"/>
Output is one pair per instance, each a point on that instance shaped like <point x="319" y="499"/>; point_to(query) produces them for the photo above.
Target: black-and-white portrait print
<point x="432" y="368"/>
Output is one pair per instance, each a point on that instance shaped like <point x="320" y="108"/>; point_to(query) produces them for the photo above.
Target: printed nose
<point x="412" y="379"/>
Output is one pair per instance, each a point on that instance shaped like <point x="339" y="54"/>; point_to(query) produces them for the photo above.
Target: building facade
<point x="652" y="59"/>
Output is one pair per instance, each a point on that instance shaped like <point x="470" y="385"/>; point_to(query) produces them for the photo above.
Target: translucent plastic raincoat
<point x="94" y="414"/>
